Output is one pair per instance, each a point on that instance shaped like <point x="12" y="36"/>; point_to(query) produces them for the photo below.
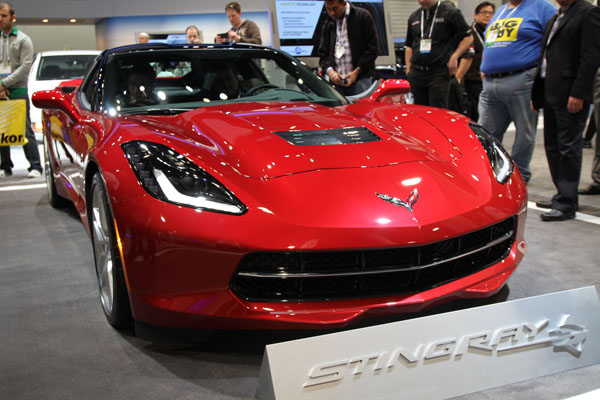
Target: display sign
<point x="300" y="22"/>
<point x="440" y="356"/>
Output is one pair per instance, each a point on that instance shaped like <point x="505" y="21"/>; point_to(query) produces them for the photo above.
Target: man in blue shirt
<point x="512" y="47"/>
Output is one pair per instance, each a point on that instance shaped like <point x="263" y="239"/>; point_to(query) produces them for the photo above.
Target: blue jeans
<point x="508" y="99"/>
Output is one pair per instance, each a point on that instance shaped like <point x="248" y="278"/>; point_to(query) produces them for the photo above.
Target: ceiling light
<point x="73" y="20"/>
<point x="45" y="20"/>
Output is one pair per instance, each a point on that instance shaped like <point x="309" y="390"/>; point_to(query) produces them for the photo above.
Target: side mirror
<point x="55" y="100"/>
<point x="389" y="87"/>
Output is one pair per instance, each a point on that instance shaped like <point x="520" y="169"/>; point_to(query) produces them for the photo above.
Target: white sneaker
<point x="34" y="173"/>
<point x="4" y="174"/>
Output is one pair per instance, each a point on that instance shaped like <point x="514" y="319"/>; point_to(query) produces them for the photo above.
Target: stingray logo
<point x="503" y="341"/>
<point x="569" y="337"/>
<point x="408" y="204"/>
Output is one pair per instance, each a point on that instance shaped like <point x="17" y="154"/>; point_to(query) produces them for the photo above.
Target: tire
<point x="55" y="200"/>
<point x="107" y="258"/>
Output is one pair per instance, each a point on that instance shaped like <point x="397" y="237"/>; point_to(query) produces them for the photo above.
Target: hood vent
<point x="358" y="134"/>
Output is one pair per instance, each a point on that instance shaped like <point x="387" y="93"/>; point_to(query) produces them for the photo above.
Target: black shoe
<point x="557" y="215"/>
<point x="594" y="188"/>
<point x="544" y="203"/>
<point x="587" y="144"/>
<point x="4" y="173"/>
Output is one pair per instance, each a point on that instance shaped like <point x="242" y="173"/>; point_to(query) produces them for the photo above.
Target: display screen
<point x="300" y="23"/>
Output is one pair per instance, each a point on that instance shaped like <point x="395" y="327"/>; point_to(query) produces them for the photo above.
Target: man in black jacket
<point x="568" y="61"/>
<point x="348" y="47"/>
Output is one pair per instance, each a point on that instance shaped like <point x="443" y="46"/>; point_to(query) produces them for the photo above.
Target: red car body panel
<point x="179" y="261"/>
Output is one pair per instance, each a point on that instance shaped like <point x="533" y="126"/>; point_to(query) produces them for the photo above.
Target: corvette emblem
<point x="408" y="204"/>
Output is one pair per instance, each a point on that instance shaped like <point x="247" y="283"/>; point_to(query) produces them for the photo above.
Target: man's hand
<point x="352" y="77"/>
<point x="452" y="65"/>
<point x="335" y="77"/>
<point x="233" y="37"/>
<point x="574" y="105"/>
<point x="532" y="107"/>
<point x="4" y="92"/>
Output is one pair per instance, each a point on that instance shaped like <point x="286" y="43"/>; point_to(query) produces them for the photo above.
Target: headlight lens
<point x="171" y="177"/>
<point x="501" y="163"/>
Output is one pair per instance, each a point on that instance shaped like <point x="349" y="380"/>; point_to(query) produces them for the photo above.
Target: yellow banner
<point x="13" y="116"/>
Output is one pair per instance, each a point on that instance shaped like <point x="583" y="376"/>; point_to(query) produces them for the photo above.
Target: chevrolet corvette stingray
<point x="231" y="187"/>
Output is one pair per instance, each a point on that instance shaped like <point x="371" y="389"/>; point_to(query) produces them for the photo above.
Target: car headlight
<point x="171" y="177"/>
<point x="501" y="163"/>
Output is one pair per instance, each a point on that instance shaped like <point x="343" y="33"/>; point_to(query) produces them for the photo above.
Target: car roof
<point x="163" y="46"/>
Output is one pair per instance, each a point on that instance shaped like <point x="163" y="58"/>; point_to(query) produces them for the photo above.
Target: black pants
<point x="563" y="142"/>
<point x="591" y="129"/>
<point x="31" y="148"/>
<point x="456" y="96"/>
<point x="473" y="89"/>
<point x="430" y="88"/>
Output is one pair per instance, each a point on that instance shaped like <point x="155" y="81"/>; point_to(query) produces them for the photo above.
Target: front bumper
<point x="179" y="272"/>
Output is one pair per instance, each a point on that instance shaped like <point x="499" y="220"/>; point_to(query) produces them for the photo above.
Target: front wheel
<point x="109" y="267"/>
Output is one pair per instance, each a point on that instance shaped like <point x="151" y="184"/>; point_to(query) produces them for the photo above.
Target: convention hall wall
<point x="119" y="8"/>
<point x="112" y="23"/>
<point x="61" y="37"/>
<point x="118" y="31"/>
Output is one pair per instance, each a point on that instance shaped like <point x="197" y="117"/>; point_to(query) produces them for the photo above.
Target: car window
<point x="64" y="67"/>
<point x="88" y="92"/>
<point x="177" y="80"/>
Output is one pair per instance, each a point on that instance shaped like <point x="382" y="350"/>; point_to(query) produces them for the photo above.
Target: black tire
<point x="55" y="200"/>
<point x="107" y="258"/>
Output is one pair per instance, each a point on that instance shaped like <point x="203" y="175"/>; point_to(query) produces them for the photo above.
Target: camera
<point x="345" y="81"/>
<point x="223" y="35"/>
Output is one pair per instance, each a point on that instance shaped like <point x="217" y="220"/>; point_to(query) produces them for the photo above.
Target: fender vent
<point x="359" y="134"/>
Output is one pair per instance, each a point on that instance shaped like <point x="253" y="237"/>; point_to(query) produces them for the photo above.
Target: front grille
<point x="329" y="275"/>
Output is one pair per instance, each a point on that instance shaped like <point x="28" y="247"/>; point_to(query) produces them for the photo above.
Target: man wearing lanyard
<point x="16" y="58"/>
<point x="472" y="78"/>
<point x="432" y="52"/>
<point x="512" y="47"/>
<point x="348" y="47"/>
<point x="570" y="57"/>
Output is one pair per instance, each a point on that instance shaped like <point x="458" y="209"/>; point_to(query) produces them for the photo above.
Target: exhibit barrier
<point x="440" y="356"/>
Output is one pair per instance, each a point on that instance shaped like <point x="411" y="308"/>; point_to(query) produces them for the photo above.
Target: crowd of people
<point x="508" y="65"/>
<point x="504" y="68"/>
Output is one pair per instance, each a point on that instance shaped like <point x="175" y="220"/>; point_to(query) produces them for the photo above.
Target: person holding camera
<point x="348" y="47"/>
<point x="242" y="30"/>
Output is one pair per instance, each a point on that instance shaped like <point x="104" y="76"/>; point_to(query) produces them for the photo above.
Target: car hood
<point x="266" y="140"/>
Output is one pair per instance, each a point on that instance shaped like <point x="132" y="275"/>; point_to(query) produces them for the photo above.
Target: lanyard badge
<point x="426" y="42"/>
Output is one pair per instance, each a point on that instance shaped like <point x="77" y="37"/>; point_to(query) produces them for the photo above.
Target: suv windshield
<point x="177" y="80"/>
<point x="64" y="67"/>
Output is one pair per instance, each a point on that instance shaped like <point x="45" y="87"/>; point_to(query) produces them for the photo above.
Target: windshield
<point x="64" y="67"/>
<point x="178" y="80"/>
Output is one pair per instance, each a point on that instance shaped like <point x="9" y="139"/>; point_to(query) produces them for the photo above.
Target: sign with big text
<point x="440" y="356"/>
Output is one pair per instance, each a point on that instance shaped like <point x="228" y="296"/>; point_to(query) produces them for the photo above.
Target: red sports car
<point x="229" y="187"/>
